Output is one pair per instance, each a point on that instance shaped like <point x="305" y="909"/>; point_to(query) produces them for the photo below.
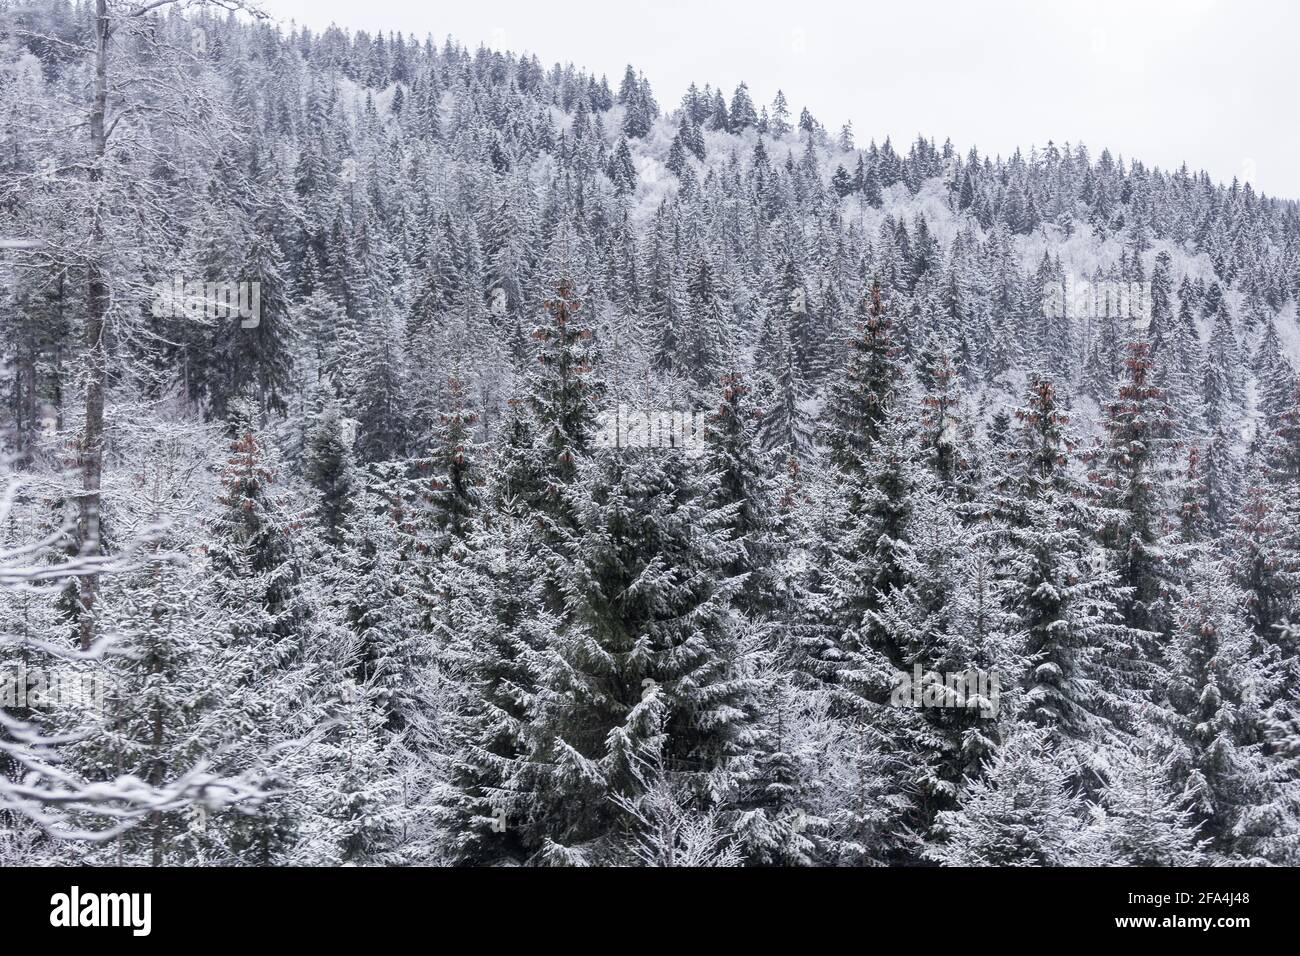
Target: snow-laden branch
<point x="37" y="786"/>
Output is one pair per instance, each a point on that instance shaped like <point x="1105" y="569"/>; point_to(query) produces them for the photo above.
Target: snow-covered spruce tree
<point x="329" y="468"/>
<point x="1178" y="370"/>
<point x="455" y="463"/>
<point x="786" y="427"/>
<point x="236" y="351"/>
<point x="791" y="308"/>
<point x="869" y="557"/>
<point x="397" y="666"/>
<point x="274" y="688"/>
<point x="514" y="483"/>
<point x="871" y="476"/>
<point x="1266" y="558"/>
<point x="777" y="812"/>
<point x="1023" y="811"/>
<point x="1130" y="476"/>
<point x="356" y="812"/>
<point x="1139" y="819"/>
<point x="158" y="681"/>
<point x="853" y="798"/>
<point x="382" y="587"/>
<point x="1206" y="491"/>
<point x="1274" y="374"/>
<point x="373" y="768"/>
<point x="1161" y="307"/>
<point x="1266" y="561"/>
<point x="1221" y="375"/>
<point x="1274" y="822"/>
<point x="30" y="616"/>
<point x="1215" y="692"/>
<point x="1101" y="367"/>
<point x="947" y="623"/>
<point x="649" y="648"/>
<point x="377" y="394"/>
<point x="561" y="393"/>
<point x="745" y="488"/>
<point x="323" y="348"/>
<point x="875" y="583"/>
<point x="448" y="492"/>
<point x="1266" y="540"/>
<point x="947" y="437"/>
<point x="707" y="333"/>
<point x="863" y="389"/>
<point x="503" y="598"/>
<point x="1053" y="337"/>
<point x="1059" y="593"/>
<point x="494" y="626"/>
<point x="666" y="310"/>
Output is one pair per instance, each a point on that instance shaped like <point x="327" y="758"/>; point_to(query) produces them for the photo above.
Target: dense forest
<point x="415" y="455"/>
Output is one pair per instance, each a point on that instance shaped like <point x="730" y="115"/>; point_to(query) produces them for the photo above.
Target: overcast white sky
<point x="1211" y="82"/>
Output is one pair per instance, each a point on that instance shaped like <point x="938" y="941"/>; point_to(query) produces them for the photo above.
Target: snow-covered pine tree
<point x="942" y="622"/>
<point x="495" y="626"/>
<point x="271" y="700"/>
<point x="329" y="467"/>
<point x="1266" y="540"/>
<point x="863" y="390"/>
<point x="947" y="438"/>
<point x="1059" y="592"/>
<point x="647" y="664"/>
<point x="1139" y="819"/>
<point x="159" y="680"/>
<point x="1022" y="811"/>
<point x="562" y="391"/>
<point x="1131" y="477"/>
<point x="1216" y="691"/>
<point x="454" y="487"/>
<point x="745" y="489"/>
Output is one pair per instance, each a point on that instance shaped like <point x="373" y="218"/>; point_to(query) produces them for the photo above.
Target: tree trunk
<point x="92" y="452"/>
